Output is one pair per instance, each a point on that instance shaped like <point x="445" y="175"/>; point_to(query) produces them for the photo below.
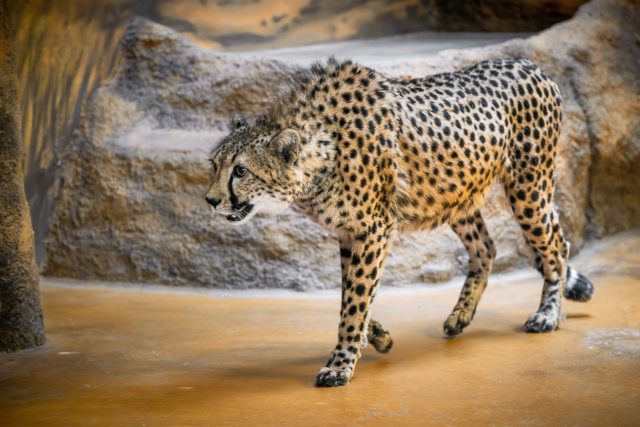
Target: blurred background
<point x="66" y="48"/>
<point x="122" y="100"/>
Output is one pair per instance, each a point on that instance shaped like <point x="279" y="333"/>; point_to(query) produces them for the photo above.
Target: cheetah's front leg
<point x="362" y="263"/>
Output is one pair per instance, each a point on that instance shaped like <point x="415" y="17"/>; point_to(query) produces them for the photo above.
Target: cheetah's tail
<point x="577" y="287"/>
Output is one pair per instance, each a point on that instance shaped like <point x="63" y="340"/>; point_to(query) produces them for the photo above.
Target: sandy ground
<point x="122" y="356"/>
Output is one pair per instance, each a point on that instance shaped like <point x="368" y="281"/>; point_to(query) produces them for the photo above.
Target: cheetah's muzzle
<point x="240" y="214"/>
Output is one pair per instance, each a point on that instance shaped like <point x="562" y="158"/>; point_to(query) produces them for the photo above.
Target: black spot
<point x="535" y="195"/>
<point x="369" y="259"/>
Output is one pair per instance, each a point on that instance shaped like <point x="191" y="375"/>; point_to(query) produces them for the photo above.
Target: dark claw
<point x="453" y="331"/>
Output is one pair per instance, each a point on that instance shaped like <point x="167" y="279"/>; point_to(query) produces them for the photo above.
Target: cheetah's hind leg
<point x="577" y="286"/>
<point x="379" y="337"/>
<point x="473" y="233"/>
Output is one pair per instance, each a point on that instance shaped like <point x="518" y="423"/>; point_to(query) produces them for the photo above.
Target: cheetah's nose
<point x="213" y="202"/>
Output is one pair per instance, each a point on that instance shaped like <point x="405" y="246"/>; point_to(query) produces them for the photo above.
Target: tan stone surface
<point x="130" y="204"/>
<point x="128" y="356"/>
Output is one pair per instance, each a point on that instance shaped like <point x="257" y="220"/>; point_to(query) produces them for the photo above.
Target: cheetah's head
<point x="253" y="169"/>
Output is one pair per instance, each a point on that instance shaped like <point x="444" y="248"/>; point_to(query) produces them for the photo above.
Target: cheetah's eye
<point x="239" y="171"/>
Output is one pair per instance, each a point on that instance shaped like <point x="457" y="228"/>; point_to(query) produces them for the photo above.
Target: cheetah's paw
<point x="379" y="337"/>
<point x="457" y="321"/>
<point x="541" y="322"/>
<point x="333" y="377"/>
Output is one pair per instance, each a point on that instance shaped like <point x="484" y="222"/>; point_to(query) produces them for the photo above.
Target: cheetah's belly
<point x="444" y="180"/>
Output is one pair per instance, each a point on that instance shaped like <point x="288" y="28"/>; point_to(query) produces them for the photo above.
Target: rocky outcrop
<point x="130" y="205"/>
<point x="21" y="323"/>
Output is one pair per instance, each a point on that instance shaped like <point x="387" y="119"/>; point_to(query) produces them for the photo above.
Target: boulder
<point x="130" y="207"/>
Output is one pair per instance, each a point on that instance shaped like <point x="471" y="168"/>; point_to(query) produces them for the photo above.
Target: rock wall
<point x="262" y="23"/>
<point x="67" y="49"/>
<point x="21" y="323"/>
<point x="130" y="207"/>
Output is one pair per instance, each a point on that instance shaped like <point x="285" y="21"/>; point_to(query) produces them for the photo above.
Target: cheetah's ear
<point x="238" y="122"/>
<point x="286" y="145"/>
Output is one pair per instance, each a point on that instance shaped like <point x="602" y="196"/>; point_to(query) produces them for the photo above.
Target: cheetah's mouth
<point x="241" y="213"/>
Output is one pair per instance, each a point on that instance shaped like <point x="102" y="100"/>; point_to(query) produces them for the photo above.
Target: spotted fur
<point x="367" y="156"/>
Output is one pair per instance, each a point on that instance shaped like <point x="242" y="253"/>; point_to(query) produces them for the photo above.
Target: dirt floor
<point x="125" y="356"/>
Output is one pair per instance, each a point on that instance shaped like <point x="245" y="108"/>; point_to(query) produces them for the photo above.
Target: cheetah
<point x="368" y="156"/>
